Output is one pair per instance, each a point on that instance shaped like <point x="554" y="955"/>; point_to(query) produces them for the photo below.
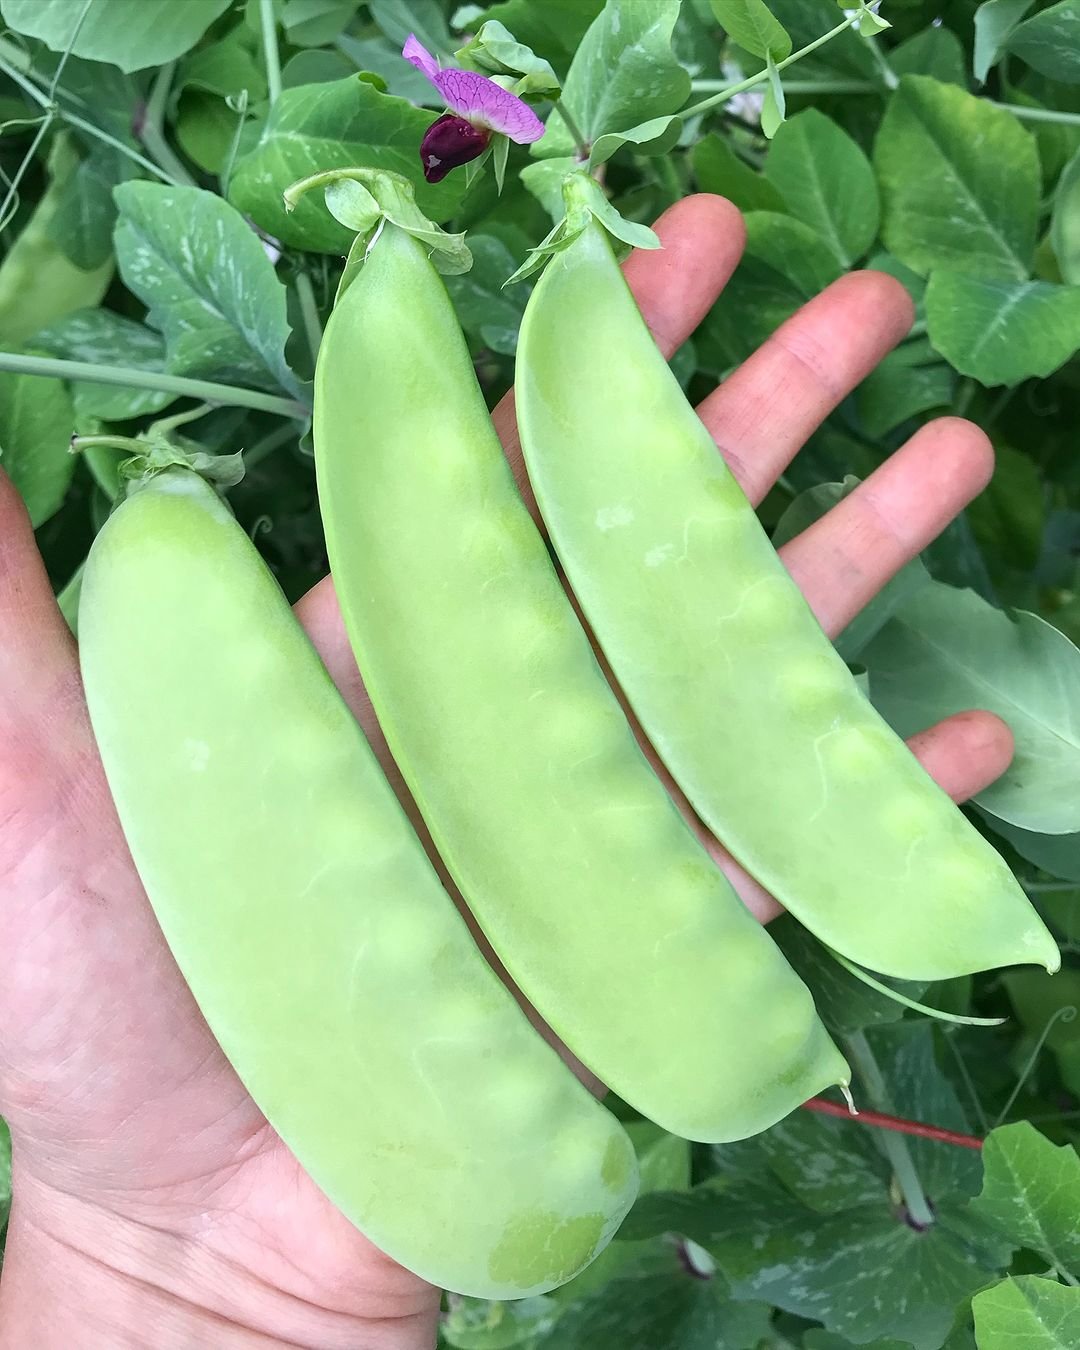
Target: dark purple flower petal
<point x="448" y="143"/>
<point x="476" y="97"/>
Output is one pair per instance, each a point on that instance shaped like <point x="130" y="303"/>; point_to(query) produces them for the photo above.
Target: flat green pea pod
<point x="327" y="958"/>
<point x="741" y="693"/>
<point x="591" y="887"/>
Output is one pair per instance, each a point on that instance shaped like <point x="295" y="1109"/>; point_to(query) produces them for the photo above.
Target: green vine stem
<point x="203" y="390"/>
<point x="580" y="143"/>
<point x="271" y="54"/>
<point x="824" y="87"/>
<point x="729" y="91"/>
<point x="893" y="1145"/>
<point x="309" y="311"/>
<point x="151" y="129"/>
<point x="43" y="100"/>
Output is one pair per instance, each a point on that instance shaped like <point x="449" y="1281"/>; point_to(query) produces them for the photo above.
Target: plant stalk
<point x="271" y="54"/>
<point x="152" y="129"/>
<point x="729" y="92"/>
<point x="880" y="1121"/>
<point x="126" y="377"/>
<point x="893" y="1144"/>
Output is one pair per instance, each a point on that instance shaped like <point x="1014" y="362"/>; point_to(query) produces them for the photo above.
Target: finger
<point x="39" y="682"/>
<point x="763" y="413"/>
<point x="963" y="754"/>
<point x="675" y="287"/>
<point x="841" y="561"/>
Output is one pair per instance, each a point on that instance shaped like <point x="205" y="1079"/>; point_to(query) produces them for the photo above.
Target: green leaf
<point x="825" y="1340"/>
<point x="225" y="67"/>
<point x="947" y="650"/>
<point x="845" y="56"/>
<point x="1058" y="854"/>
<point x="103" y="338"/>
<point x="752" y="25"/>
<point x="827" y="182"/>
<point x="785" y="264"/>
<point x="477" y="1324"/>
<point x="495" y="51"/>
<point x="85" y="212"/>
<point x="1050" y="42"/>
<point x="334" y="126"/>
<point x="994" y="23"/>
<point x="1009" y="517"/>
<point x="207" y="282"/>
<point x="669" y="1309"/>
<point x="484" y="308"/>
<point x="129" y="36"/>
<point x="896" y="390"/>
<point x="38" y="282"/>
<point x="863" y="1272"/>
<point x="959" y="181"/>
<point x="1027" y="1311"/>
<point x="934" y="51"/>
<point x="554" y="27"/>
<point x="655" y="137"/>
<point x="624" y="73"/>
<point x="1031" y="1193"/>
<point x="774" y="105"/>
<point x="828" y="1165"/>
<point x="1002" y="331"/>
<point x="844" y="1003"/>
<point x="718" y="169"/>
<point x="36" y="425"/>
<point x="1065" y="229"/>
<point x="312" y="23"/>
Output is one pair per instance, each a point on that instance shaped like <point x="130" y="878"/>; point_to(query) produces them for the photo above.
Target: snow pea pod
<point x="327" y="958"/>
<point x="589" y="884"/>
<point x="742" y="694"/>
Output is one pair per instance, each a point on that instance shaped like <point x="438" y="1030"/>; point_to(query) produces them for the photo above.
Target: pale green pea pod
<point x="741" y="693"/>
<point x="328" y="960"/>
<point x="591" y="887"/>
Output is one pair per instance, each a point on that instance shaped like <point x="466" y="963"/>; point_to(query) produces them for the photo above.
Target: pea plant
<point x="170" y="261"/>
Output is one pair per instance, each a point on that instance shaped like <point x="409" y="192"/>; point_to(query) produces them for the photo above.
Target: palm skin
<point x="142" y="1168"/>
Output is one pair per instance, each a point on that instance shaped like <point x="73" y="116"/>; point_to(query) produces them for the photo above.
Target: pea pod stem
<point x="204" y="390"/>
<point x="893" y="1144"/>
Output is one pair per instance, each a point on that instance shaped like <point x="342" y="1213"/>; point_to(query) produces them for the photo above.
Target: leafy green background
<point x="142" y="230"/>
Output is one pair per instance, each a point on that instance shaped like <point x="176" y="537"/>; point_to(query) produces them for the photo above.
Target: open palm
<point x="135" y="1144"/>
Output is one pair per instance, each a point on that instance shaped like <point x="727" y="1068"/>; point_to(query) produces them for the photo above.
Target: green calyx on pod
<point x="364" y="200"/>
<point x="585" y="201"/>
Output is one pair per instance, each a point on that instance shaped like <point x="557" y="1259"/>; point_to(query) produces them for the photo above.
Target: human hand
<point x="150" y="1193"/>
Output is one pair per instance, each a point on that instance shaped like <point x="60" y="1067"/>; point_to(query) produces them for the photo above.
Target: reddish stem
<point x="895" y="1123"/>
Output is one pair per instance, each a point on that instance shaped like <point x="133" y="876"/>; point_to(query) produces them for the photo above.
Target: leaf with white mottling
<point x="208" y="284"/>
<point x="107" y="339"/>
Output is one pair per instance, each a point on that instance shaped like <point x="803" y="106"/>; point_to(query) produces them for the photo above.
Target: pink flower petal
<point x="482" y="100"/>
<point x="418" y="55"/>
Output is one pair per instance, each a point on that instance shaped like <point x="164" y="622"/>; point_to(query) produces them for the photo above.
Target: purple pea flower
<point x="477" y="108"/>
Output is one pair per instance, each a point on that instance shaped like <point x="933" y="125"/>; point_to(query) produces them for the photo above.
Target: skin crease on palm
<point x="153" y="1204"/>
